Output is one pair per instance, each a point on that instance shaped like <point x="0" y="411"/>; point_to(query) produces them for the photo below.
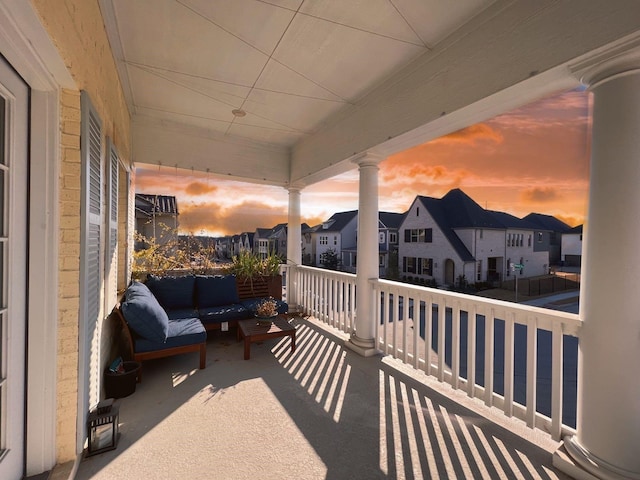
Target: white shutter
<point x="90" y="261"/>
<point x="111" y="259"/>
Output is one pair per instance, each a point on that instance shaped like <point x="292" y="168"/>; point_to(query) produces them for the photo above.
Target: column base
<point x="571" y="458"/>
<point x="362" y="346"/>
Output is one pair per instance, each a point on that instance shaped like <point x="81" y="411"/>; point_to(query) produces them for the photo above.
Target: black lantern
<point x="102" y="425"/>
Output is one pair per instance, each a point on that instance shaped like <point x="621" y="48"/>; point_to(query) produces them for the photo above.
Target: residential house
<point x="246" y="241"/>
<point x="453" y="239"/>
<point x="156" y="219"/>
<point x="572" y="247"/>
<point x="90" y="88"/>
<point x="388" y="224"/>
<point x="308" y="249"/>
<point x="338" y="234"/>
<point x="548" y="235"/>
<point x="262" y="245"/>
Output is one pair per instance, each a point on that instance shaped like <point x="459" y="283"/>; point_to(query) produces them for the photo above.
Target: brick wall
<point x="69" y="274"/>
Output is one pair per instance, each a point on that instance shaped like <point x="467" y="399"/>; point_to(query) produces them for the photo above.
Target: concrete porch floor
<point x="322" y="412"/>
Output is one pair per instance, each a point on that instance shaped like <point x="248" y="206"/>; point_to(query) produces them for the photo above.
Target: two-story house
<point x="156" y="219"/>
<point x="548" y="235"/>
<point x="388" y="224"/>
<point x="572" y="247"/>
<point x="454" y="238"/>
<point x="335" y="234"/>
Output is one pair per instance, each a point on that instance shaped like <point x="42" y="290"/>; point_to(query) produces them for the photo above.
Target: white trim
<point x="43" y="279"/>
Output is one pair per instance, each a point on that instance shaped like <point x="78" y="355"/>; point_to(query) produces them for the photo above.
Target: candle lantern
<point x="102" y="424"/>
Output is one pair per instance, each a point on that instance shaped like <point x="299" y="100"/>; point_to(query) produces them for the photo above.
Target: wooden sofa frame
<point x="165" y="352"/>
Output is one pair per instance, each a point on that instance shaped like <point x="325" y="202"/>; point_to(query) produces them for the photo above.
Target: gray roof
<point x="390" y="219"/>
<point x="547" y="222"/>
<point x="338" y="221"/>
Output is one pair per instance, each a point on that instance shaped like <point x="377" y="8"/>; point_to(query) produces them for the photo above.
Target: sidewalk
<point x="567" y="301"/>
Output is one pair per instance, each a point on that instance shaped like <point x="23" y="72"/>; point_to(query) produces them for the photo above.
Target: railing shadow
<point x="352" y="417"/>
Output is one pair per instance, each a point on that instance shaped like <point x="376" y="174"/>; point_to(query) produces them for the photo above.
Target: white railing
<point x="456" y="337"/>
<point x="324" y="294"/>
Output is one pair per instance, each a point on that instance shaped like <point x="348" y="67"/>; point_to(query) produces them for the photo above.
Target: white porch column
<point x="362" y="340"/>
<point x="607" y="443"/>
<point x="294" y="244"/>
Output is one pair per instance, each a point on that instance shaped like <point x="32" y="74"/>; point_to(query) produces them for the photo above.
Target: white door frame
<point x="26" y="45"/>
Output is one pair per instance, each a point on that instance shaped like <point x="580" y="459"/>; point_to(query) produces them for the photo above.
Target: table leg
<point x="247" y="348"/>
<point x="293" y="342"/>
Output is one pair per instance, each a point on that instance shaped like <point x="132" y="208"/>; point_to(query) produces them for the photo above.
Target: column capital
<point x="620" y="59"/>
<point x="366" y="159"/>
<point x="295" y="187"/>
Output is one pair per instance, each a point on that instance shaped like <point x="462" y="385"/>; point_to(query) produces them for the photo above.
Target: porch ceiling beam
<point x="187" y="147"/>
<point x="512" y="54"/>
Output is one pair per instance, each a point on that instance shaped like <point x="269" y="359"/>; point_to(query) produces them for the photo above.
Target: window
<point x="508" y="239"/>
<point x="393" y="237"/>
<point x="381" y="260"/>
<point x="421" y="266"/>
<point x="508" y="267"/>
<point x="335" y="240"/>
<point x="324" y="240"/>
<point x="539" y="237"/>
<point x="481" y="233"/>
<point x="417" y="211"/>
<point x="529" y="241"/>
<point x="479" y="271"/>
<point x="380" y="237"/>
<point x="418" y="235"/>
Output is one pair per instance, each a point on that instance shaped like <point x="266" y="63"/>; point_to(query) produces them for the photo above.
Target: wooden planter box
<point x="260" y="287"/>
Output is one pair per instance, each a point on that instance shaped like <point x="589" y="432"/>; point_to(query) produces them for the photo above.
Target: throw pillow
<point x="173" y="293"/>
<point x="144" y="314"/>
<point x="216" y="290"/>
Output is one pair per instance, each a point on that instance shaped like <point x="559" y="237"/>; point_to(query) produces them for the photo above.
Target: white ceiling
<point x="314" y="76"/>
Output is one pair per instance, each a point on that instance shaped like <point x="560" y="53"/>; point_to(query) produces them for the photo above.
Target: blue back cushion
<point x="144" y="314"/>
<point x="173" y="293"/>
<point x="216" y="290"/>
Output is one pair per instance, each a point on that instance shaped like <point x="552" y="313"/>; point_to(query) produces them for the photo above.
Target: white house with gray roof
<point x="447" y="238"/>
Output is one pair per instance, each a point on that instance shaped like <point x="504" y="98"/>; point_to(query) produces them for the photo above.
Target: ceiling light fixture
<point x="238" y="112"/>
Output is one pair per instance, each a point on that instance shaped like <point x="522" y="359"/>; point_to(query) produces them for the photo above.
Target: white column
<point x="607" y="443"/>
<point x="362" y="340"/>
<point x="294" y="245"/>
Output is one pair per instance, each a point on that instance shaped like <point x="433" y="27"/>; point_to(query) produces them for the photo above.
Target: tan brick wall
<point x="69" y="274"/>
<point x="77" y="30"/>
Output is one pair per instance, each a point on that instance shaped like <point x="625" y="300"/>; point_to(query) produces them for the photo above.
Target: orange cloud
<point x="199" y="188"/>
<point x="540" y="195"/>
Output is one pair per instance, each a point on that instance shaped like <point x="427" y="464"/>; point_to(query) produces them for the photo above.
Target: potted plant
<point x="250" y="268"/>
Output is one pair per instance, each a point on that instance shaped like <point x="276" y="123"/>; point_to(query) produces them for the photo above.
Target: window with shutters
<point x="91" y="253"/>
<point x="111" y="257"/>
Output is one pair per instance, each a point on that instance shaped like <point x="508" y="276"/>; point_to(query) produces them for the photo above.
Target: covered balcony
<point x="289" y="93"/>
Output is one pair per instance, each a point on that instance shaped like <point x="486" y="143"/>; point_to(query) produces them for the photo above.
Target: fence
<point x="544" y="285"/>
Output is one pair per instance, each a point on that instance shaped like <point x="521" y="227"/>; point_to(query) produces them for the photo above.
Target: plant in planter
<point x="250" y="269"/>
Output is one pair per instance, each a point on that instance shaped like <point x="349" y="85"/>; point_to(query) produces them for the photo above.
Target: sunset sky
<point x="533" y="159"/>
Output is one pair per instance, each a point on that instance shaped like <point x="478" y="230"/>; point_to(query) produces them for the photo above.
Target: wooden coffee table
<point x="253" y="332"/>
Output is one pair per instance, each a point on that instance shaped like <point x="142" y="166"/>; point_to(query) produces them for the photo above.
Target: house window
<point x="508" y="239"/>
<point x="508" y="267"/>
<point x="418" y="235"/>
<point x="481" y="233"/>
<point x="417" y="211"/>
<point x="324" y="240"/>
<point x="539" y="237"/>
<point x="381" y="260"/>
<point x="426" y="266"/>
<point x="529" y="241"/>
<point x="479" y="271"/>
<point x="409" y="264"/>
<point x="335" y="240"/>
<point x="393" y="237"/>
<point x="381" y="237"/>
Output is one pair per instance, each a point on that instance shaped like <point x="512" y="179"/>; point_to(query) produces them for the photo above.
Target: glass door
<point x="14" y="100"/>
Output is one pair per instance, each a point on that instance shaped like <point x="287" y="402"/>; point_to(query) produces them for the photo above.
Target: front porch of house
<point x="321" y="412"/>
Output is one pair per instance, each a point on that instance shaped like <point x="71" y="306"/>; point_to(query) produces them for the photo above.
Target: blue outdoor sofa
<point x="171" y="315"/>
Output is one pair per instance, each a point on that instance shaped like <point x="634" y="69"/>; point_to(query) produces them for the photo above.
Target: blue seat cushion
<point x="216" y="290"/>
<point x="224" y="313"/>
<point x="251" y="304"/>
<point x="144" y="314"/>
<point x="186" y="331"/>
<point x="173" y="293"/>
<point x="181" y="313"/>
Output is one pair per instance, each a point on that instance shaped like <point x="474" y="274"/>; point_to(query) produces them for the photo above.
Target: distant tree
<point x="330" y="259"/>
